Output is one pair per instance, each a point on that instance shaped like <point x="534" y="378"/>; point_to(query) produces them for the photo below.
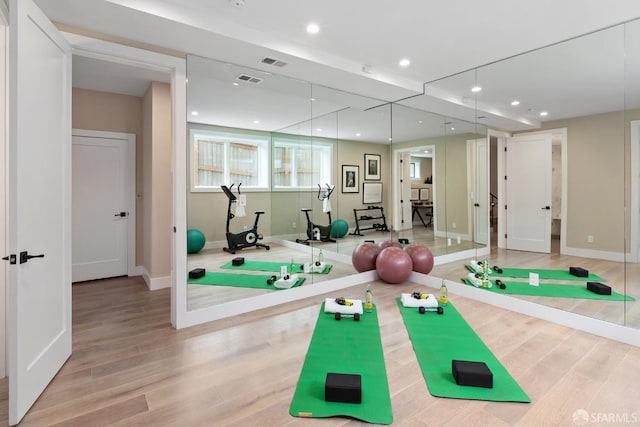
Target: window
<point x="301" y="164"/>
<point x="219" y="158"/>
<point x="414" y="170"/>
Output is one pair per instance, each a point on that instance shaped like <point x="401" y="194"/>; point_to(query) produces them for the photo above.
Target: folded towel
<point x="478" y="282"/>
<point x="410" y="301"/>
<point x="311" y="267"/>
<point x="331" y="306"/>
<point x="477" y="267"/>
<point x="286" y="284"/>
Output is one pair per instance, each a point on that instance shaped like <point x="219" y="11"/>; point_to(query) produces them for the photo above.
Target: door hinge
<point x="505" y="235"/>
<point x="505" y="207"/>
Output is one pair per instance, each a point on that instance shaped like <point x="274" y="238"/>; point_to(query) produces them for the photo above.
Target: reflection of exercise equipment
<point x="243" y="239"/>
<point x="316" y="232"/>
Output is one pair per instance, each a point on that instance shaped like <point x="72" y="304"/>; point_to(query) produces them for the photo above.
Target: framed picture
<point x="350" y="179"/>
<point x="424" y="194"/>
<point x="371" y="192"/>
<point x="415" y="194"/>
<point x="372" y="167"/>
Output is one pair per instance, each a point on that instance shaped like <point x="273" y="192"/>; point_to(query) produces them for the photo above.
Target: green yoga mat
<point x="551" y="290"/>
<point x="345" y="347"/>
<point x="238" y="280"/>
<point x="272" y="266"/>
<point x="523" y="273"/>
<point x="439" y="339"/>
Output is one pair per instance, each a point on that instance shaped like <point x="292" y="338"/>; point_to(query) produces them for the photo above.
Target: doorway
<point x="557" y="178"/>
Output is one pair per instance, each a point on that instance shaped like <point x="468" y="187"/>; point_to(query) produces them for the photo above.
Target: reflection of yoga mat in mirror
<point x="344" y="347"/>
<point x="552" y="290"/>
<point x="550" y="274"/>
<point x="272" y="266"/>
<point x="439" y="339"/>
<point x="238" y="280"/>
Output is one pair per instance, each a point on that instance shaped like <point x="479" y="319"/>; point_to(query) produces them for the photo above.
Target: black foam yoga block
<point x="346" y="388"/>
<point x="476" y="374"/>
<point x="579" y="271"/>
<point x="237" y="261"/>
<point x="196" y="273"/>
<point x="599" y="288"/>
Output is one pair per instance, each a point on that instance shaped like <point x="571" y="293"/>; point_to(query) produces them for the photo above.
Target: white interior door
<point x="39" y="205"/>
<point x="529" y="192"/>
<point x="103" y="203"/>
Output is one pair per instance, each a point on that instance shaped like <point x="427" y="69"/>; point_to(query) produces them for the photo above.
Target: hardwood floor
<point x="129" y="367"/>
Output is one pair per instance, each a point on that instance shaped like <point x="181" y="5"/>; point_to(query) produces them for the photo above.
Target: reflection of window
<point x="301" y="164"/>
<point x="414" y="170"/>
<point x="219" y="158"/>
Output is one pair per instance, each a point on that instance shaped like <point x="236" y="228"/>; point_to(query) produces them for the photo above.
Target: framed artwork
<point x="372" y="167"/>
<point x="424" y="194"/>
<point x="415" y="194"/>
<point x="371" y="192"/>
<point x="350" y="179"/>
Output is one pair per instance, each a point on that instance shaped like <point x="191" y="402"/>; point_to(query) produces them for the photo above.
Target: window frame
<point x="228" y="138"/>
<point x="284" y="141"/>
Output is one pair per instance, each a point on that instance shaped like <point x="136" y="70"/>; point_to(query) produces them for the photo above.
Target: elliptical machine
<point x="316" y="232"/>
<point x="243" y="239"/>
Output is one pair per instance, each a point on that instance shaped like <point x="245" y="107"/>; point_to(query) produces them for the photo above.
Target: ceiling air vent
<point x="273" y="61"/>
<point x="249" y="79"/>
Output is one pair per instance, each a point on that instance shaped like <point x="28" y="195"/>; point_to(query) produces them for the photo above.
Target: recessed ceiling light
<point x="313" y="28"/>
<point x="427" y="151"/>
<point x="420" y="121"/>
<point x="405" y="62"/>
<point x="544" y="113"/>
<point x="256" y="121"/>
<point x="476" y="89"/>
<point x="358" y="134"/>
<point x="236" y="84"/>
<point x="194" y="113"/>
<point x="453" y="128"/>
<point x="319" y="130"/>
<point x="515" y="102"/>
<point x="313" y="99"/>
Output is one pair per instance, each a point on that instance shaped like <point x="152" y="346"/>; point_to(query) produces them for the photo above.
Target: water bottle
<point x="368" y="299"/>
<point x="444" y="293"/>
<point x="320" y="256"/>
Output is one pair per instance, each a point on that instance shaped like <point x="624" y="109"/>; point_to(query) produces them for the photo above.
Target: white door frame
<point x="472" y="190"/>
<point x="501" y="138"/>
<point x="560" y="133"/>
<point x="396" y="189"/>
<point x="634" y="219"/>
<point x="130" y="184"/>
<point x="176" y="67"/>
<point x="4" y="139"/>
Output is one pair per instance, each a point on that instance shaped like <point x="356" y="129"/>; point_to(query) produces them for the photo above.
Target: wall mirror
<point x="581" y="96"/>
<point x="284" y="137"/>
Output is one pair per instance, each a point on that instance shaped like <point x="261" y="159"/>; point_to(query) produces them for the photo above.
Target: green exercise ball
<point x="339" y="228"/>
<point x="195" y="241"/>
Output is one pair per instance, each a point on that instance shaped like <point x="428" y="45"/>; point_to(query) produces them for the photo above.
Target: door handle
<point x="546" y="208"/>
<point x="24" y="256"/>
<point x="122" y="214"/>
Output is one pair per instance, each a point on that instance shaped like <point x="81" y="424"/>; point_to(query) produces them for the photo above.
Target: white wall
<point x="4" y="132"/>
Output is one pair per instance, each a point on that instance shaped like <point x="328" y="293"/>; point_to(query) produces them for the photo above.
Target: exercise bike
<point x="316" y="232"/>
<point x="243" y="239"/>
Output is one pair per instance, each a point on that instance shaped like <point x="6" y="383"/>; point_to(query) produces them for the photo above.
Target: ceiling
<point x="361" y="42"/>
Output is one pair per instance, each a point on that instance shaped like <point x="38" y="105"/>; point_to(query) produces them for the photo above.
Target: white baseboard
<point x="153" y="283"/>
<point x="589" y="253"/>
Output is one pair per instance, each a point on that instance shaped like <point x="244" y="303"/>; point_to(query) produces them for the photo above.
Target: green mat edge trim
<point x="615" y="296"/>
<point x="525" y="399"/>
<point x="190" y="281"/>
<point x="230" y="266"/>
<point x="592" y="277"/>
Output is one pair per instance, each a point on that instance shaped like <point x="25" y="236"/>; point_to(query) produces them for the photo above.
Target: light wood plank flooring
<point x="129" y="367"/>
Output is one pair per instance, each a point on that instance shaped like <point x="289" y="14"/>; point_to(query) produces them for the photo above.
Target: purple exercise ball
<point x="394" y="265"/>
<point x="364" y="256"/>
<point x="390" y="243"/>
<point x="421" y="256"/>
